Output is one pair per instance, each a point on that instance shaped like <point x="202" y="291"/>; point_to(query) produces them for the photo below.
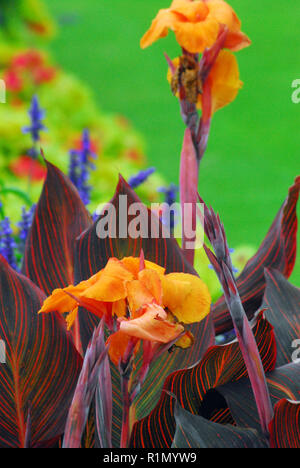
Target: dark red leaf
<point x="285" y="427"/>
<point x="282" y="304"/>
<point x="197" y="432"/>
<point x="283" y="382"/>
<point x="277" y="251"/>
<point x="221" y="364"/>
<point x="60" y="217"/>
<point x="42" y="366"/>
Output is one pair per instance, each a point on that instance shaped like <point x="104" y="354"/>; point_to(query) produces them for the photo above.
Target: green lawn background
<point x="253" y="151"/>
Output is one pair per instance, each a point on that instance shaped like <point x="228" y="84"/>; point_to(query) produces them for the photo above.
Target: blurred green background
<point x="253" y="151"/>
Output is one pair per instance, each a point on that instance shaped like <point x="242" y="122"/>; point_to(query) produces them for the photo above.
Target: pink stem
<point x="188" y="195"/>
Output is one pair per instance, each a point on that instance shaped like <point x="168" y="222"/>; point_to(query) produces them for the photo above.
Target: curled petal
<point x="152" y="326"/>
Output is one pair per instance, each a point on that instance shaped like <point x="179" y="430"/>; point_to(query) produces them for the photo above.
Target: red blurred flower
<point x="25" y="167"/>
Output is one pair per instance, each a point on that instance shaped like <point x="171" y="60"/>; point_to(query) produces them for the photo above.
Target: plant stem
<point x="125" y="435"/>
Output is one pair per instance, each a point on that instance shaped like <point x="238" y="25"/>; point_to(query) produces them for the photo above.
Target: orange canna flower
<point x="148" y="304"/>
<point x="196" y="25"/>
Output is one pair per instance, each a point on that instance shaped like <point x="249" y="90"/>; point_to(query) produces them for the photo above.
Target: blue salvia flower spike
<point x="7" y="243"/>
<point x="170" y="198"/>
<point x="24" y="226"/>
<point x="80" y="166"/>
<point x="141" y="177"/>
<point x="37" y="115"/>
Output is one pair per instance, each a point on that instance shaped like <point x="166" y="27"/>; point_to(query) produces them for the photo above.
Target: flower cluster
<point x="209" y="82"/>
<point x="148" y="304"/>
<point x="27" y="70"/>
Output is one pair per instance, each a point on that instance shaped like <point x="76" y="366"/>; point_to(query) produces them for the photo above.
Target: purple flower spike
<point x="80" y="166"/>
<point x="140" y="178"/>
<point x="24" y="226"/>
<point x="36" y="114"/>
<point x="7" y="243"/>
<point x="170" y="198"/>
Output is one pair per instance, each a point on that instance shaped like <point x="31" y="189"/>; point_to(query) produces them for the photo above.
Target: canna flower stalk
<point x="222" y="264"/>
<point x="204" y="78"/>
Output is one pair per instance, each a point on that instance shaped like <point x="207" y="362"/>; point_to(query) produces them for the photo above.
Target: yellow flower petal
<point x="186" y="341"/>
<point x="186" y="296"/>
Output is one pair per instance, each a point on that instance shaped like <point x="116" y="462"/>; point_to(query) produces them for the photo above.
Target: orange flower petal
<point x="111" y="284"/>
<point x="192" y="11"/>
<point x="152" y="326"/>
<point x="118" y="345"/>
<point x="119" y="308"/>
<point x="138" y="296"/>
<point x="59" y="301"/>
<point x="224" y="14"/>
<point x="152" y="281"/>
<point x="196" y="25"/>
<point x="186" y="296"/>
<point x="224" y="81"/>
<point x="236" y="41"/>
<point x="195" y="37"/>
<point x="133" y="265"/>
<point x="159" y="28"/>
<point x="71" y="317"/>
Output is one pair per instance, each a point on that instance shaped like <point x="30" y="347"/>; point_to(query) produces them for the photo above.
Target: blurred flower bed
<point x="29" y="70"/>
